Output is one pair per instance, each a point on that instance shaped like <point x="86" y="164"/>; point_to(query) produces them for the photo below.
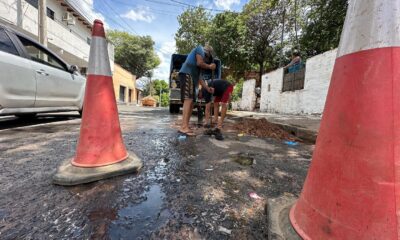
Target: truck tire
<point x="173" y="108"/>
<point x="177" y="108"/>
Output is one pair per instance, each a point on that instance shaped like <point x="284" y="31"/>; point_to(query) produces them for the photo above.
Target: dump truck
<point x="177" y="61"/>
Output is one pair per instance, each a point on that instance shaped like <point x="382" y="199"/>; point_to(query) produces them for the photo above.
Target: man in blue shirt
<point x="189" y="78"/>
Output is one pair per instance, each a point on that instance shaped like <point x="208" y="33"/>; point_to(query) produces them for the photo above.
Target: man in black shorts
<point x="189" y="77"/>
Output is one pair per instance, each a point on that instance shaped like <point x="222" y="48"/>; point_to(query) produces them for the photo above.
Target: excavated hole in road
<point x="244" y="159"/>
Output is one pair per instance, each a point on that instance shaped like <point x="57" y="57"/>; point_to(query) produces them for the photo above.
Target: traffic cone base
<point x="70" y="175"/>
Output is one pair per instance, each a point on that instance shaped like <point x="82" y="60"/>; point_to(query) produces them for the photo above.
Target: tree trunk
<point x="261" y="71"/>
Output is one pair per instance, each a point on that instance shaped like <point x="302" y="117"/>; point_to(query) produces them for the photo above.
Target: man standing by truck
<point x="189" y="78"/>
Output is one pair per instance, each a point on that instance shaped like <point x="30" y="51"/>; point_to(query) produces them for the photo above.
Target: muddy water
<point x="138" y="220"/>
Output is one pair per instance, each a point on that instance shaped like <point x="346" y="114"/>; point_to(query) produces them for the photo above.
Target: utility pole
<point x="160" y="92"/>
<point x="43" y="22"/>
<point x="19" y="13"/>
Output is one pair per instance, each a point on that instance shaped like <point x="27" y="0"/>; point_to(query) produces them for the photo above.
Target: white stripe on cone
<point x="371" y="24"/>
<point x="99" y="62"/>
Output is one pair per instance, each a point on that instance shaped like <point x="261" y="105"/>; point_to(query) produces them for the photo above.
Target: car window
<point x="6" y="44"/>
<point x="41" y="55"/>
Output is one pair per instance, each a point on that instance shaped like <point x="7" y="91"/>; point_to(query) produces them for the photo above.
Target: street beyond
<point x="188" y="188"/>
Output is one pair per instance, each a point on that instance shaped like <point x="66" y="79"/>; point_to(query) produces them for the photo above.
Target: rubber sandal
<point x="187" y="134"/>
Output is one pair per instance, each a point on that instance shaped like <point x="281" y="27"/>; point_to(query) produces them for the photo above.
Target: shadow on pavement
<point x="8" y="122"/>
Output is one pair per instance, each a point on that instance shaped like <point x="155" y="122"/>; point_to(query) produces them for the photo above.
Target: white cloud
<point x="164" y="53"/>
<point x="226" y="4"/>
<point x="140" y="14"/>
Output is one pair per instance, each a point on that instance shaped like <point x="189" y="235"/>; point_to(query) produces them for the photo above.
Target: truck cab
<point x="177" y="61"/>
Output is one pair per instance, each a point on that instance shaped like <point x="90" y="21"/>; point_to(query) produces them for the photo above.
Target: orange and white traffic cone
<point x="352" y="187"/>
<point x="101" y="152"/>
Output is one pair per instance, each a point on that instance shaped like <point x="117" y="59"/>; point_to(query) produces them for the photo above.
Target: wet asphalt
<point x="193" y="188"/>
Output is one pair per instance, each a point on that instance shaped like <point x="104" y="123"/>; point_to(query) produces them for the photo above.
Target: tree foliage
<point x="262" y="24"/>
<point x="153" y="87"/>
<point x="324" y="25"/>
<point x="193" y="29"/>
<point x="264" y="34"/>
<point x="134" y="53"/>
<point x="229" y="41"/>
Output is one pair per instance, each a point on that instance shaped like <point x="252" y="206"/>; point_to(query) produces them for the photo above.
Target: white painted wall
<point x="248" y="100"/>
<point x="71" y="39"/>
<point x="311" y="99"/>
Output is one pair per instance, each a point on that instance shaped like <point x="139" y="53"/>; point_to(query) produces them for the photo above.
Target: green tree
<point x="237" y="90"/>
<point x="229" y="42"/>
<point x="324" y="25"/>
<point x="193" y="29"/>
<point x="134" y="53"/>
<point x="153" y="87"/>
<point x="263" y="20"/>
<point x="160" y="85"/>
<point x="165" y="99"/>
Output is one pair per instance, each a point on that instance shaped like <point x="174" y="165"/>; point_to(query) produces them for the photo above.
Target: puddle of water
<point x="139" y="220"/>
<point x="3" y="214"/>
<point x="243" y="159"/>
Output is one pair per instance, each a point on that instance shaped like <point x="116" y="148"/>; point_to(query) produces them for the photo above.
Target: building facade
<point x="125" y="86"/>
<point x="68" y="27"/>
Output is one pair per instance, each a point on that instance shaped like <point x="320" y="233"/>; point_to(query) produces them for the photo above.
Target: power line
<point x="160" y="11"/>
<point x="114" y="21"/>
<point x="155" y="47"/>
<point x="135" y="5"/>
<point x="190" y="5"/>
<point x="164" y="3"/>
<point x="117" y="14"/>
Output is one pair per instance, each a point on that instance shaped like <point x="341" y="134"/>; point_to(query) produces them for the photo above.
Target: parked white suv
<point x="35" y="80"/>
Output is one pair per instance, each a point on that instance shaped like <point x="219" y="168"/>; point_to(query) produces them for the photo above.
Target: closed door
<point x="17" y="78"/>
<point x="56" y="86"/>
<point x="122" y="93"/>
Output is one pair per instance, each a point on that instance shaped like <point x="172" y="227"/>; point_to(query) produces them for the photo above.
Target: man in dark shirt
<point x="222" y="94"/>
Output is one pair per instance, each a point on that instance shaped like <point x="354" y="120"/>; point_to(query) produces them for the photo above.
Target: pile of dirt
<point x="262" y="128"/>
<point x="149" y="101"/>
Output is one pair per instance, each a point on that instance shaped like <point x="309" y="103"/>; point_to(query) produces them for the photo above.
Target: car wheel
<point x="26" y="115"/>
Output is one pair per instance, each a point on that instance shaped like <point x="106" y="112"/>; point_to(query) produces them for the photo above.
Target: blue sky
<point x="157" y="18"/>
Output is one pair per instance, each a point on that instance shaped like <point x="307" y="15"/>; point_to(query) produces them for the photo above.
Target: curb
<point x="302" y="133"/>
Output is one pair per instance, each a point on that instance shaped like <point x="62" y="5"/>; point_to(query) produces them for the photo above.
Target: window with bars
<point x="34" y="3"/>
<point x="50" y="13"/>
<point x="294" y="80"/>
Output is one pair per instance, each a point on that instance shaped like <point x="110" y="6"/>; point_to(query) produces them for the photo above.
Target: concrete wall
<point x="68" y="41"/>
<point x="122" y="77"/>
<point x="248" y="100"/>
<point x="311" y="99"/>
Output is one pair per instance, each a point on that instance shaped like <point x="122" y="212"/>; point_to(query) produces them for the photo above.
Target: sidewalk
<point x="303" y="127"/>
